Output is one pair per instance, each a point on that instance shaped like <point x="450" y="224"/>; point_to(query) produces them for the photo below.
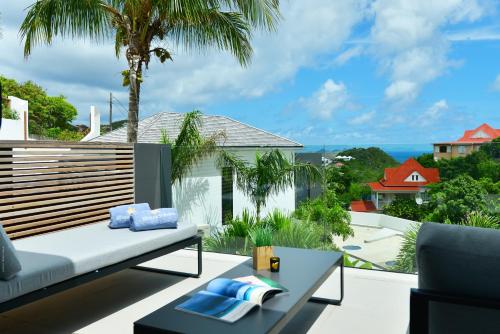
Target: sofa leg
<point x="177" y="273"/>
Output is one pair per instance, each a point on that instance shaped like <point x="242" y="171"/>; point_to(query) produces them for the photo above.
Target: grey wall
<point x="152" y="175"/>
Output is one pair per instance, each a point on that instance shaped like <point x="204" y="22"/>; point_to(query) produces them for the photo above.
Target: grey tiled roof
<point x="237" y="134"/>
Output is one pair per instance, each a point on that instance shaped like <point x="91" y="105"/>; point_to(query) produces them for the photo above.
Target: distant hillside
<point x="116" y="125"/>
<point x="369" y="163"/>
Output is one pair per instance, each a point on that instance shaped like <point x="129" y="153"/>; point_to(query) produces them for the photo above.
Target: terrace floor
<point x="375" y="301"/>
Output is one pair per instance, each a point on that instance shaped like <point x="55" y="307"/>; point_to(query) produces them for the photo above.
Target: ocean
<point x="400" y="152"/>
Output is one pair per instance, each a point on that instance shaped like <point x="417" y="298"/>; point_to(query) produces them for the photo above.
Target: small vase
<point x="262" y="257"/>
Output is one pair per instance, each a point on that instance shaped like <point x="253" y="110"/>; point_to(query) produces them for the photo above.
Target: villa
<point x="209" y="196"/>
<point x="468" y="143"/>
<point x="409" y="180"/>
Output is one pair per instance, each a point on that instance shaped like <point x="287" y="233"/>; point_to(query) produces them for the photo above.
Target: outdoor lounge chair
<point x="61" y="260"/>
<point x="458" y="280"/>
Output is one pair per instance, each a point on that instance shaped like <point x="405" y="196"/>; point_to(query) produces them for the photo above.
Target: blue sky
<point x="335" y="72"/>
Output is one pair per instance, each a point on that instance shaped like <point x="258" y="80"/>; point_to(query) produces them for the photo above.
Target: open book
<point x="230" y="299"/>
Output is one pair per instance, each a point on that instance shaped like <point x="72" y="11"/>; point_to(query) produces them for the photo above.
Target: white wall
<point x="285" y="201"/>
<point x="95" y="124"/>
<point x="199" y="198"/>
<point x="14" y="129"/>
<point x="381" y="220"/>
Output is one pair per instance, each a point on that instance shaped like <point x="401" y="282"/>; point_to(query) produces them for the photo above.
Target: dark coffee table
<point x="302" y="272"/>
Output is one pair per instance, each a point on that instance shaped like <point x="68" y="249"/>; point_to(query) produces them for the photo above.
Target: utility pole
<point x="110" y="112"/>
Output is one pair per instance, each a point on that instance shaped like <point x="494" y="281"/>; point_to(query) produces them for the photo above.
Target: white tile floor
<point x="375" y="302"/>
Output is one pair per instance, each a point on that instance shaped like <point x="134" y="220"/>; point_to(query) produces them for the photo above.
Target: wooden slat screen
<point x="47" y="186"/>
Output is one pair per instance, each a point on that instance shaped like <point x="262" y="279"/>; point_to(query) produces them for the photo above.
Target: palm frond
<point x="190" y="146"/>
<point x="47" y="19"/>
<point x="214" y="29"/>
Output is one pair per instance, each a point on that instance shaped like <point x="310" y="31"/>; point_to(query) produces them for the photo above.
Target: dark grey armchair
<point x="458" y="280"/>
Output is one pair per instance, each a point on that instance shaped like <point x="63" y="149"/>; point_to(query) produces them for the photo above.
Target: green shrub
<point x="261" y="236"/>
<point x="277" y="220"/>
<point x="481" y="219"/>
<point x="10" y="114"/>
<point x="356" y="263"/>
<point x="302" y="235"/>
<point x="405" y="208"/>
<point x="327" y="211"/>
<point x="406" y="260"/>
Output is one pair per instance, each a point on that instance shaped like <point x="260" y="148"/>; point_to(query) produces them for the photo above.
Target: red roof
<point x="398" y="178"/>
<point x="482" y="134"/>
<point x="363" y="206"/>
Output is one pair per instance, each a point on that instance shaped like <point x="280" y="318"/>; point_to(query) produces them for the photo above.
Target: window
<point x="227" y="194"/>
<point x="461" y="149"/>
<point x="442" y="149"/>
<point x="414" y="177"/>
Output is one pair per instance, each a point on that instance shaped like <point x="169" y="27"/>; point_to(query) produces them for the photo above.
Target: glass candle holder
<point x="275" y="264"/>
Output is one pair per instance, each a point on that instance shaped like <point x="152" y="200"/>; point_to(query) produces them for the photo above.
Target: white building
<point x="16" y="129"/>
<point x="199" y="198"/>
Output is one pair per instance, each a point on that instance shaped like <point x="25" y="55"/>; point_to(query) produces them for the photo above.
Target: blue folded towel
<point x="121" y="215"/>
<point x="154" y="219"/>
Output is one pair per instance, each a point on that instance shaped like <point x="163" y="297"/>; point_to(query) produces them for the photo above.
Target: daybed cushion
<point x="51" y="258"/>
<point x="9" y="263"/>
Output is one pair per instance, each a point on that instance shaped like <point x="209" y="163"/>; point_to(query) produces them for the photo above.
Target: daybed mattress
<point x="54" y="257"/>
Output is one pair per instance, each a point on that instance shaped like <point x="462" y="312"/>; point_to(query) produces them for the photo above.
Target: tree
<point x="190" y="146"/>
<point x="405" y="208"/>
<point x="46" y="113"/>
<point x="145" y="28"/>
<point x="270" y="174"/>
<point x="328" y="212"/>
<point x="456" y="198"/>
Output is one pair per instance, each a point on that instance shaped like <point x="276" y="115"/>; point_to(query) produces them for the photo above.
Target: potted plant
<point x="262" y="239"/>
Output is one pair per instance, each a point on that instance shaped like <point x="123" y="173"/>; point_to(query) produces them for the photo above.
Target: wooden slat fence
<point x="49" y="186"/>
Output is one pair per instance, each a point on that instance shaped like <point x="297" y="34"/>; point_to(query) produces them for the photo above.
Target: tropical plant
<point x="277" y="220"/>
<point x="223" y="242"/>
<point x="145" y="28"/>
<point x="405" y="208"/>
<point x="481" y="219"/>
<point x="261" y="236"/>
<point x="190" y="146"/>
<point x="454" y="199"/>
<point x="301" y="235"/>
<point x="349" y="261"/>
<point x="406" y="260"/>
<point x="270" y="174"/>
<point x="241" y="227"/>
<point x="327" y="211"/>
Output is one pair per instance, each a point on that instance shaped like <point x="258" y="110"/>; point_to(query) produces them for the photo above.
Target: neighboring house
<point x="16" y="129"/>
<point x="409" y="180"/>
<point x="468" y="143"/>
<point x="209" y="193"/>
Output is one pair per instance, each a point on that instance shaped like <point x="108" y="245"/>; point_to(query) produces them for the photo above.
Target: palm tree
<point x="271" y="173"/>
<point x="190" y="146"/>
<point x="145" y="28"/>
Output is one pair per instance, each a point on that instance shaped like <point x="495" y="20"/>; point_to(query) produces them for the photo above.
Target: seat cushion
<point x="460" y="260"/>
<point x="9" y="263"/>
<point x="51" y="258"/>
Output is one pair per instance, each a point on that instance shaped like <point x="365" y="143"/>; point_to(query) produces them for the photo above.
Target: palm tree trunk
<point x="135" y="70"/>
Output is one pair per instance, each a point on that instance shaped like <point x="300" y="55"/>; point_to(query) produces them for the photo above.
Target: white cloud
<point x="433" y="113"/>
<point x="330" y="97"/>
<point x="309" y="29"/>
<point x="363" y="118"/>
<point x="409" y="44"/>
<point x="496" y="84"/>
<point x="347" y="55"/>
